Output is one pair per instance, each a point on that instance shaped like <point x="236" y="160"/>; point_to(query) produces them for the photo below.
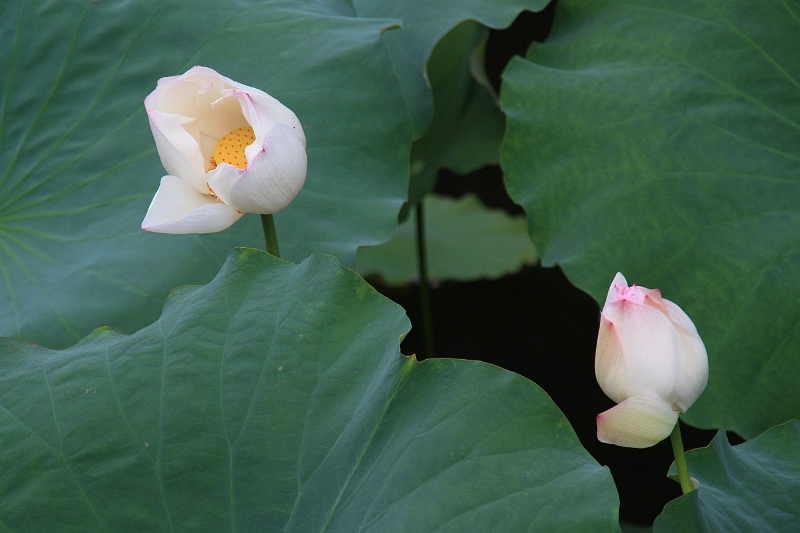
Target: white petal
<point x="272" y="178"/>
<point x="696" y="367"/>
<point x="174" y="95"/>
<point x="178" y="149"/>
<point x="638" y="422"/>
<point x="651" y="348"/>
<point x="652" y="297"/>
<point x="679" y="317"/>
<point x="216" y="119"/>
<point x="178" y="208"/>
<point x="210" y="78"/>
<point x="609" y="364"/>
<point x="617" y="286"/>
<point x="263" y="112"/>
<point x="696" y="373"/>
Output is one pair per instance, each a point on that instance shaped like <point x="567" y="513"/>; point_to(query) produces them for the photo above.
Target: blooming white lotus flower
<point x="650" y="360"/>
<point x="229" y="149"/>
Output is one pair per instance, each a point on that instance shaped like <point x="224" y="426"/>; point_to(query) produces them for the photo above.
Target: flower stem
<point x="424" y="286"/>
<point x="680" y="459"/>
<point x="270" y="236"/>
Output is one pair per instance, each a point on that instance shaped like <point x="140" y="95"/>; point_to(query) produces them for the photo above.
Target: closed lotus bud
<point x="650" y="360"/>
<point x="229" y="149"/>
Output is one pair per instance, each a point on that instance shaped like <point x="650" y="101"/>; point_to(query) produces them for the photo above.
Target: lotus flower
<point x="229" y="149"/>
<point x="650" y="360"/>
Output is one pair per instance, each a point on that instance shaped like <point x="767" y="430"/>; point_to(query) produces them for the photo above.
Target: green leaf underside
<point x="750" y="487"/>
<point x="662" y="140"/>
<point x="275" y="398"/>
<point x="424" y="23"/>
<point x="467" y="125"/>
<point x="465" y="241"/>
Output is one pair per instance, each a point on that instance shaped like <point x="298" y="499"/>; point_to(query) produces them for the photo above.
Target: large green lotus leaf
<point x="424" y="24"/>
<point x="662" y="139"/>
<point x="464" y="240"/>
<point x="275" y="399"/>
<point x="78" y="165"/>
<point x="468" y="125"/>
<point x="750" y="487"/>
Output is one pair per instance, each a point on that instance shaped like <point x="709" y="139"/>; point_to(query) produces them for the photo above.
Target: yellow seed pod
<point x="230" y="148"/>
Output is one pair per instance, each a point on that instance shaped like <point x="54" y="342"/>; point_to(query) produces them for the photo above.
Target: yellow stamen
<point x="230" y="149"/>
